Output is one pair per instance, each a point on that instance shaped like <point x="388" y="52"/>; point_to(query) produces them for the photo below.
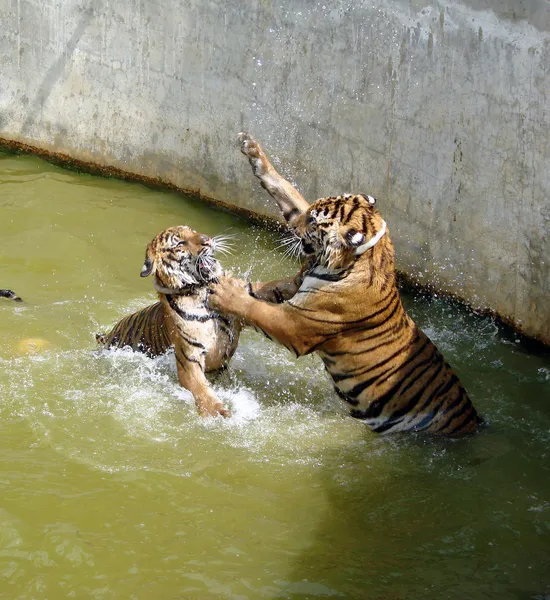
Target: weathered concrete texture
<point x="439" y="108"/>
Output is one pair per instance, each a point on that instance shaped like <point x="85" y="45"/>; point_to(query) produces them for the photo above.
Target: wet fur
<point x="345" y="306"/>
<point x="181" y="261"/>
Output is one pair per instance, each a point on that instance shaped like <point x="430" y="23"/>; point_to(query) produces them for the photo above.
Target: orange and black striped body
<point x="394" y="377"/>
<point x="346" y="307"/>
<point x="143" y="331"/>
<point x="381" y="363"/>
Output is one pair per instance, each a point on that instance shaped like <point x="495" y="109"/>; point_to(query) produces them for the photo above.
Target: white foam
<point x="242" y="402"/>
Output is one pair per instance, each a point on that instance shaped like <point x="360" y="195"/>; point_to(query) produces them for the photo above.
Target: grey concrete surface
<point x="439" y="108"/>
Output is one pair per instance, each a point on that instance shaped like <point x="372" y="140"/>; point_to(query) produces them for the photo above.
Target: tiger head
<point x="337" y="230"/>
<point x="180" y="257"/>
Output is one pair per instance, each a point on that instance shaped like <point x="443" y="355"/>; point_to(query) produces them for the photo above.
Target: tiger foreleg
<point x="275" y="291"/>
<point x="191" y="377"/>
<point x="291" y="203"/>
<point x="282" y="323"/>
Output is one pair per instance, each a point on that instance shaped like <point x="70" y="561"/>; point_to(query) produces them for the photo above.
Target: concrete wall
<point x="440" y="108"/>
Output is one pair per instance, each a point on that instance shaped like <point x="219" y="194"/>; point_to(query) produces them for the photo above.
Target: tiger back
<point x="144" y="331"/>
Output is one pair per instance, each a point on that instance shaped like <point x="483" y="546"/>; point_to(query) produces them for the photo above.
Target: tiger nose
<point x="205" y="240"/>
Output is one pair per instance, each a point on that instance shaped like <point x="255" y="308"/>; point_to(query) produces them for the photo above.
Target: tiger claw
<point x="255" y="154"/>
<point x="249" y="146"/>
<point x="215" y="411"/>
<point x="242" y="136"/>
<point x="225" y="413"/>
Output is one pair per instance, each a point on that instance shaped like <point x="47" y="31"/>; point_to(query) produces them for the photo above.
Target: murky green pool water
<point x="112" y="486"/>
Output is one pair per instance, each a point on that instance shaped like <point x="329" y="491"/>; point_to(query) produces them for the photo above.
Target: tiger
<point x="10" y="295"/>
<point x="345" y="306"/>
<point x="183" y="264"/>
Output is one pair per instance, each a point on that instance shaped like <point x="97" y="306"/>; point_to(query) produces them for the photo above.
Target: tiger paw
<point x="213" y="409"/>
<point x="255" y="154"/>
<point x="224" y="412"/>
<point x="229" y="296"/>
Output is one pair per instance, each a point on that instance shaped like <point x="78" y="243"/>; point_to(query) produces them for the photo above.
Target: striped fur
<point x="182" y="263"/>
<point x="143" y="331"/>
<point x="345" y="306"/>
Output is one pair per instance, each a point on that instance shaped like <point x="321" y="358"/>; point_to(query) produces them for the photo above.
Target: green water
<point x="113" y="487"/>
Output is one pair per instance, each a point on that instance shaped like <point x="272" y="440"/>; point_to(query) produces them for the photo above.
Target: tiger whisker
<point x="224" y="248"/>
<point x="292" y="247"/>
<point x="288" y="253"/>
<point x="291" y="239"/>
<point x="223" y="238"/>
<point x="287" y="240"/>
<point x="222" y="244"/>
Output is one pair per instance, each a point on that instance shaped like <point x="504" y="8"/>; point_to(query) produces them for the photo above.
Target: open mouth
<point x="207" y="267"/>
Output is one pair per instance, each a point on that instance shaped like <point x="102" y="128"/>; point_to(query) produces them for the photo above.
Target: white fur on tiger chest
<point x="318" y="280"/>
<point x="204" y="336"/>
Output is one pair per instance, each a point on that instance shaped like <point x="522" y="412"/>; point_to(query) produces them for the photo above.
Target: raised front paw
<point x="257" y="158"/>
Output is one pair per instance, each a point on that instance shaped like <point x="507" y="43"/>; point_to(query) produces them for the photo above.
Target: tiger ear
<point x="148" y="266"/>
<point x="370" y="199"/>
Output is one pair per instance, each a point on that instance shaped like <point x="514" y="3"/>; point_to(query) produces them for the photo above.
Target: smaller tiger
<point x="183" y="264"/>
<point x="10" y="295"/>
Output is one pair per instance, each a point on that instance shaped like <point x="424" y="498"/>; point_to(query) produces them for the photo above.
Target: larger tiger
<point x="345" y="306"/>
<point x="183" y="265"/>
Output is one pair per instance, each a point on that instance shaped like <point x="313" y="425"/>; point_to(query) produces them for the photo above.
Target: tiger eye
<point x="355" y="238"/>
